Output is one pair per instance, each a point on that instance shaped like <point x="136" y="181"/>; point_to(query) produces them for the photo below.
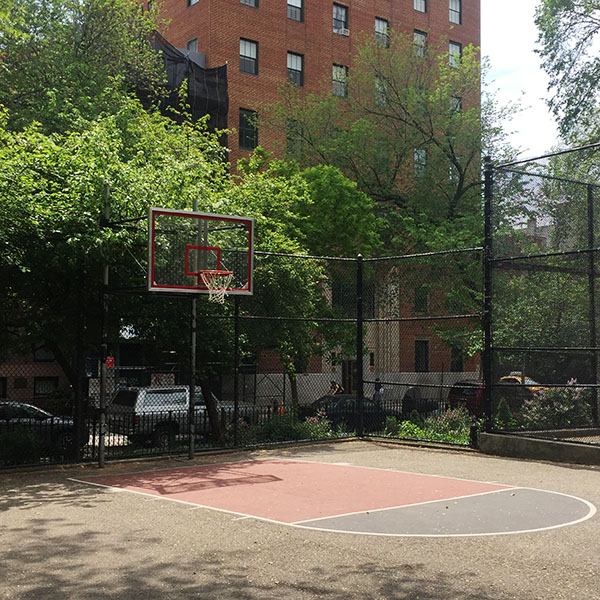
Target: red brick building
<point x="309" y="42"/>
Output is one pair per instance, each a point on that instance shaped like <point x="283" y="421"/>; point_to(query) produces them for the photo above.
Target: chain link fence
<point x="543" y="302"/>
<point x="324" y="348"/>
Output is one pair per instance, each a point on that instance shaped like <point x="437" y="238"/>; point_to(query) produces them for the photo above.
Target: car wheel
<point x="65" y="443"/>
<point x="163" y="436"/>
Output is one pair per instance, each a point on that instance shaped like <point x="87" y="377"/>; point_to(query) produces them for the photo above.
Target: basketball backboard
<point x="185" y="245"/>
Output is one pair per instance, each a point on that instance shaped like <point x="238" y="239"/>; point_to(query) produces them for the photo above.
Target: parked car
<point x="158" y="415"/>
<point x="55" y="435"/>
<point x="413" y="400"/>
<point x="515" y="388"/>
<point x="341" y="410"/>
<point x="467" y="393"/>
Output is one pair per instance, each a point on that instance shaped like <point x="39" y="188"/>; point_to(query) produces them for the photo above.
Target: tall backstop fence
<point x="541" y="303"/>
<point x="427" y="346"/>
<point x="325" y="347"/>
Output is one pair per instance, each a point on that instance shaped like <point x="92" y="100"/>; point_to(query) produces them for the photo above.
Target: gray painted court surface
<point x="510" y="511"/>
<point x="64" y="539"/>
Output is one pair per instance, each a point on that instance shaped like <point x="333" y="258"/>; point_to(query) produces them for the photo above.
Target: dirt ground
<point x="63" y="539"/>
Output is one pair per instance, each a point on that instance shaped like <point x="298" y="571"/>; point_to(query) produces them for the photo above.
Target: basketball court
<point x="340" y="497"/>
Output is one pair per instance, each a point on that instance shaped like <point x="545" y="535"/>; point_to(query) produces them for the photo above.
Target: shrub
<point x="391" y="427"/>
<point x="19" y="447"/>
<point x="415" y="417"/>
<point x="317" y="427"/>
<point x="556" y="408"/>
<point x="504" y="417"/>
<point x="454" y="425"/>
<point x="281" y="428"/>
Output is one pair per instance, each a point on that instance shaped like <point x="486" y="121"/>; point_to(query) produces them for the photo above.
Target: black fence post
<point x="236" y="367"/>
<point x="192" y="400"/>
<point x="592" y="297"/>
<point x="103" y="342"/>
<point x="487" y="294"/>
<point x="359" y="344"/>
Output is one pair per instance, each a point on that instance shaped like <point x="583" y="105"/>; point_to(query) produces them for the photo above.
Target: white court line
<point x="591" y="513"/>
<point x="400" y="506"/>
<point x="316" y="462"/>
<point x="299" y="524"/>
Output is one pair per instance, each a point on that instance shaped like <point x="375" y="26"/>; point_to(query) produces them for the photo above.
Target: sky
<point x="508" y="39"/>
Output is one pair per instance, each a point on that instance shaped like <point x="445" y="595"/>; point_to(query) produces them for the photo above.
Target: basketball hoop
<point x="217" y="283"/>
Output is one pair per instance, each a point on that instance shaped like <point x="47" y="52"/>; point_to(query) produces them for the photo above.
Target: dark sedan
<point x="341" y="410"/>
<point x="55" y="435"/>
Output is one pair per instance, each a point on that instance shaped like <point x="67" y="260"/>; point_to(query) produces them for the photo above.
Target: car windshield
<point x="125" y="398"/>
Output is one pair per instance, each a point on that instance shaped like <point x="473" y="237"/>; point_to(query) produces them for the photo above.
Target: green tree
<point x="316" y="211"/>
<point x="410" y="133"/>
<point x="568" y="33"/>
<point x="53" y="191"/>
<point x="64" y="61"/>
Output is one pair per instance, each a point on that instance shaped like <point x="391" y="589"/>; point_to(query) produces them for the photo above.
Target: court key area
<point x="341" y="497"/>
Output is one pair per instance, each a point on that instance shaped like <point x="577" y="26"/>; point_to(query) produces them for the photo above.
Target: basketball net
<point x="217" y="283"/>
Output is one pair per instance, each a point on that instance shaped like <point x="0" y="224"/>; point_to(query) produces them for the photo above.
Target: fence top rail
<point x="545" y="255"/>
<point x="373" y="259"/>
<point x="426" y="254"/>
<point x="307" y="256"/>
<point x="549" y="155"/>
<point x="549" y="177"/>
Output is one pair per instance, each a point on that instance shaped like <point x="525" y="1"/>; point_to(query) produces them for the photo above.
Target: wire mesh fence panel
<point x="544" y="297"/>
<point x="423" y="337"/>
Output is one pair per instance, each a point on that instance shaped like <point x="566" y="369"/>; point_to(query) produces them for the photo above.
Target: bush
<point x="504" y="417"/>
<point x="557" y="408"/>
<point x="452" y="426"/>
<point x="415" y="417"/>
<point x="19" y="447"/>
<point x="281" y="428"/>
<point x="317" y="427"/>
<point x="391" y="427"/>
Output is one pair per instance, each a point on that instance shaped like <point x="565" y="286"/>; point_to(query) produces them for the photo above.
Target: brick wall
<point x="219" y="25"/>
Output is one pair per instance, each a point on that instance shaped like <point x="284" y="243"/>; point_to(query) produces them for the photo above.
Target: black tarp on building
<point x="207" y="88"/>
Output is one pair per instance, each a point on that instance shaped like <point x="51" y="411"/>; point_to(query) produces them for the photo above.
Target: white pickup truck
<point x="160" y="414"/>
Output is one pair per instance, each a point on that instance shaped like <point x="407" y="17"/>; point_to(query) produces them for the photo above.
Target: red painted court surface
<point x="340" y="497"/>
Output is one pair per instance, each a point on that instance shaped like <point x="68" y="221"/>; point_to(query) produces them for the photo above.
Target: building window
<point x="293" y="136"/>
<point x="253" y="3"/>
<point x="456" y="11"/>
<point x="248" y="130"/>
<point x="455" y="104"/>
<point x="421" y="304"/>
<point x="295" y="10"/>
<point x="340" y="19"/>
<point x="454" y="52"/>
<point x="420" y="40"/>
<point x="42" y="386"/>
<point x="192" y="2"/>
<point x="248" y="56"/>
<point x="382" y="34"/>
<point x="381" y="92"/>
<point x="421" y="356"/>
<point x="192" y="45"/>
<point x="457" y="363"/>
<point x="340" y="86"/>
<point x="420" y="5"/>
<point x="420" y="161"/>
<point x="295" y="68"/>
<point x="3" y="387"/>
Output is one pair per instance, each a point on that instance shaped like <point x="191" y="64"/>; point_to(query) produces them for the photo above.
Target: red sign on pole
<point x="110" y="362"/>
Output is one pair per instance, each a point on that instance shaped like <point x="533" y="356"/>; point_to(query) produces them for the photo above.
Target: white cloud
<point x="508" y="39"/>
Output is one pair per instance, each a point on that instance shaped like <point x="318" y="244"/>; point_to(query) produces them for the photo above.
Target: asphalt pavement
<point x="65" y="539"/>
